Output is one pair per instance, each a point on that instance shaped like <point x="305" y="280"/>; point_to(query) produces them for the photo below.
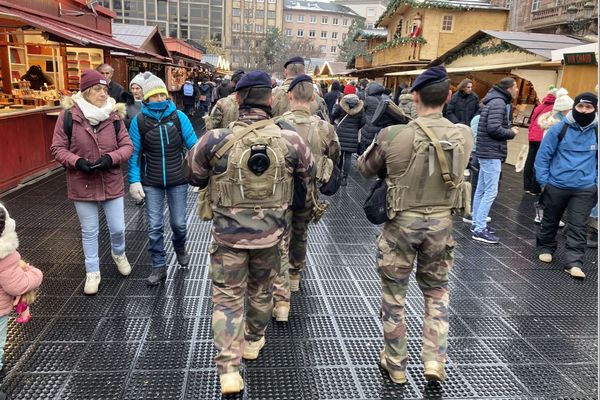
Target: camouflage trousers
<point x="429" y="240"/>
<point x="237" y="274"/>
<point x="293" y="255"/>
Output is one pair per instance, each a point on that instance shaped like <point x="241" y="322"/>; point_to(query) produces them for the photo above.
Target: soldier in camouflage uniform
<point x="226" y="110"/>
<point x="293" y="68"/>
<point x="249" y="219"/>
<point x="420" y="225"/>
<point x="323" y="142"/>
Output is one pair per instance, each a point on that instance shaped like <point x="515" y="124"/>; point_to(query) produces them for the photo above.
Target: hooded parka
<point x="350" y="117"/>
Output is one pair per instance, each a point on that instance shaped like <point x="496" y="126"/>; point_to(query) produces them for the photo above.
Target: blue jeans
<point x="87" y="211"/>
<point x="487" y="189"/>
<point x="155" y="206"/>
<point x="3" y="330"/>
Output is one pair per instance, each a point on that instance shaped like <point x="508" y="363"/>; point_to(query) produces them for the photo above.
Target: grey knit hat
<point x="152" y="85"/>
<point x="137" y="80"/>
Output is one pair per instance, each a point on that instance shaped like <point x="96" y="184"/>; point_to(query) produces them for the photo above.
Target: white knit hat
<point x="152" y="85"/>
<point x="563" y="102"/>
<point x="137" y="80"/>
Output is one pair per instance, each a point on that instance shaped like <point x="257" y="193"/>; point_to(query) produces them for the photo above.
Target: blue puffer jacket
<point x="572" y="162"/>
<point x="494" y="125"/>
<point x="157" y="161"/>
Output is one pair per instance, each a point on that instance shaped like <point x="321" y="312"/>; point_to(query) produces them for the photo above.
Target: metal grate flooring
<point x="518" y="329"/>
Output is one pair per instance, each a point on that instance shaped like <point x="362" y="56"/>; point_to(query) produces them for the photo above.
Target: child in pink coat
<point x="17" y="278"/>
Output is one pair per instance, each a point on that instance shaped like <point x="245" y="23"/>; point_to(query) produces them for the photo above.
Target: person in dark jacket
<point x="494" y="129"/>
<point x="368" y="132"/>
<point x="37" y="78"/>
<point x="350" y="118"/>
<point x="155" y="170"/>
<point x="567" y="171"/>
<point x="189" y="94"/>
<point x="133" y="100"/>
<point x="204" y="96"/>
<point x="361" y="91"/>
<point x="114" y="89"/>
<point x="464" y="104"/>
<point x="536" y="133"/>
<point x="332" y="97"/>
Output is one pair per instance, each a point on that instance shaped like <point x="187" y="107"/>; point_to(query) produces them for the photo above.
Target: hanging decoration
<point x="420" y="40"/>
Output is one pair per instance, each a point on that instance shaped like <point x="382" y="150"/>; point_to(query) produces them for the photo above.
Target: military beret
<point x="431" y="75"/>
<point x="254" y="79"/>
<point x="298" y="79"/>
<point x="237" y="75"/>
<point x="294" y="60"/>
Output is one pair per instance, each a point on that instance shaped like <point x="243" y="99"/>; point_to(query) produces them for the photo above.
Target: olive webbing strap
<point x="225" y="148"/>
<point x="440" y="154"/>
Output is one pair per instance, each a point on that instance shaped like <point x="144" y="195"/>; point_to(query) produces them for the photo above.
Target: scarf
<point x="94" y="114"/>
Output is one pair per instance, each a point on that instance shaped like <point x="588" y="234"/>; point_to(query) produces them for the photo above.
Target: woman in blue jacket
<point x="566" y="167"/>
<point x="161" y="135"/>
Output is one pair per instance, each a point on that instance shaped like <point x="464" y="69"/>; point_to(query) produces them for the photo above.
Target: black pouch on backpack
<point x="333" y="185"/>
<point x="375" y="205"/>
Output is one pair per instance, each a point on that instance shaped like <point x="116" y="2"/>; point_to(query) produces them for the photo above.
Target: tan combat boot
<point x="434" y="371"/>
<point x="398" y="377"/>
<point x="252" y="349"/>
<point x="281" y="311"/>
<point x="294" y="282"/>
<point x="231" y="383"/>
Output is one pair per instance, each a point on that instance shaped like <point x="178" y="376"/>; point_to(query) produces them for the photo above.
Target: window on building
<point x="535" y="5"/>
<point x="335" y="21"/>
<point x="323" y="20"/>
<point x="300" y="33"/>
<point x="235" y="27"/>
<point x="258" y="28"/>
<point x="370" y="25"/>
<point x="322" y="49"/>
<point x="313" y="19"/>
<point x="288" y="17"/>
<point x="344" y="36"/>
<point x="334" y="35"/>
<point x="247" y="27"/>
<point x="260" y="1"/>
<point x="236" y="12"/>
<point x="345" y="22"/>
<point x="248" y="12"/>
<point x="560" y="2"/>
<point x="258" y="43"/>
<point x="260" y="13"/>
<point x="272" y="1"/>
<point x="323" y="34"/>
<point x="508" y="4"/>
<point x="370" y="12"/>
<point x="271" y="14"/>
<point x="300" y="18"/>
<point x="312" y="34"/>
<point x="288" y="32"/>
<point x="334" y="49"/>
<point x="447" y="23"/>
<point x="235" y="42"/>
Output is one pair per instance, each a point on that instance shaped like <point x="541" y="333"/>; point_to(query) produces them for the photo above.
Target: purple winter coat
<point x="100" y="185"/>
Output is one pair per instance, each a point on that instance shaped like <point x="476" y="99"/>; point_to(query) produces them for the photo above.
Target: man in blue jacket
<point x="494" y="129"/>
<point x="566" y="168"/>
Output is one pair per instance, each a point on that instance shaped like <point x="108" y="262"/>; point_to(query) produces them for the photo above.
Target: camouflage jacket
<point x="240" y="227"/>
<point x="281" y="103"/>
<point x="225" y="111"/>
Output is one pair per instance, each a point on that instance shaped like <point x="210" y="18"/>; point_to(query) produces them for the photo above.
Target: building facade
<point x="326" y="24"/>
<point x="181" y="19"/>
<point x="246" y="22"/>
<point x="369" y="9"/>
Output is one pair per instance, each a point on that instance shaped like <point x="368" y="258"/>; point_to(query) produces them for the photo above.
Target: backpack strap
<point x="440" y="154"/>
<point x="229" y="144"/>
<point x="563" y="132"/>
<point x="68" y="126"/>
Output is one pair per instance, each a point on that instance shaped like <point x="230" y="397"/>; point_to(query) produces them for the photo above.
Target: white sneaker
<point x="122" y="263"/>
<point x="469" y="220"/>
<point x="92" y="281"/>
<point x="561" y="224"/>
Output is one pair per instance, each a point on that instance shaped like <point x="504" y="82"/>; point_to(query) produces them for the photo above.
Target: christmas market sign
<point x="580" y="58"/>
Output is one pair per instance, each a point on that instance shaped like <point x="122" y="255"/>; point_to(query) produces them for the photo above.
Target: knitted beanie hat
<point x="152" y="84"/>
<point x="563" y="102"/>
<point x="349" y="89"/>
<point x="89" y="78"/>
<point x="137" y="80"/>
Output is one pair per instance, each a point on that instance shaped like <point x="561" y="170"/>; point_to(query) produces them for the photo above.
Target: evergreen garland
<point x="401" y="41"/>
<point x="395" y="4"/>
<point x="484" y="47"/>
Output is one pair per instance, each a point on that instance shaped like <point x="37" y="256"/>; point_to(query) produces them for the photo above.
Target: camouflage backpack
<point x="256" y="175"/>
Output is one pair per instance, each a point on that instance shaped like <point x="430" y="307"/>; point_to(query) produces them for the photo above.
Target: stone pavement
<point x="518" y="329"/>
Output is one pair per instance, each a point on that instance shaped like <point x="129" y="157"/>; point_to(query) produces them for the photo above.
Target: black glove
<point x="103" y="163"/>
<point x="84" y="166"/>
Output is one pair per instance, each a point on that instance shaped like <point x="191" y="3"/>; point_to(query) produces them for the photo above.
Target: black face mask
<point x="583" y="119"/>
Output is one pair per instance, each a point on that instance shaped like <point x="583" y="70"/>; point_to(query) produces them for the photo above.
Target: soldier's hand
<point x="515" y="130"/>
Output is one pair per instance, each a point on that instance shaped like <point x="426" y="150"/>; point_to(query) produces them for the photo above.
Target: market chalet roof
<point x="140" y="36"/>
<point x="319" y="6"/>
<point x="366" y="34"/>
<point x="540" y="44"/>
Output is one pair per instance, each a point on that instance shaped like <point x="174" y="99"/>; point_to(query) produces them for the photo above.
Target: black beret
<point x="254" y="79"/>
<point x="237" y="75"/>
<point x="431" y="75"/>
<point x="298" y="79"/>
<point x="294" y="60"/>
